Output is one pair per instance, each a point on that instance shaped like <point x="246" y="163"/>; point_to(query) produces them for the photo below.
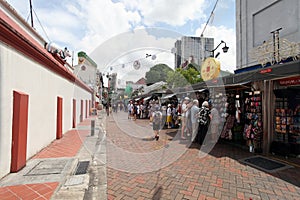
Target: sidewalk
<point x="50" y="174"/>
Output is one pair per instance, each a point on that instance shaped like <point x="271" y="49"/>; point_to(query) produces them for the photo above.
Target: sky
<point x="116" y="33"/>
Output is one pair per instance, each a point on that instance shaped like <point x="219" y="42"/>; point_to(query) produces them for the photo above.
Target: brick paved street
<point x="141" y="168"/>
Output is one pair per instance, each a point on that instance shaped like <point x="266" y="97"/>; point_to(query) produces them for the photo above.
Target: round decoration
<point x="210" y="69"/>
<point x="83" y="68"/>
<point x="136" y="65"/>
<point x="153" y="57"/>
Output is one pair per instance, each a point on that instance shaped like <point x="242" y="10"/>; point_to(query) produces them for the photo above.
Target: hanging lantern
<point x="136" y="65"/>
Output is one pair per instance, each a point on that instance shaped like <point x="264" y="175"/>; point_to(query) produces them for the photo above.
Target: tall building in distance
<point x="192" y="50"/>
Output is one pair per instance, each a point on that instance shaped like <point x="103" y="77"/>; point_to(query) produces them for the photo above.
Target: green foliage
<point x="128" y="90"/>
<point x="158" y="73"/>
<point x="183" y="77"/>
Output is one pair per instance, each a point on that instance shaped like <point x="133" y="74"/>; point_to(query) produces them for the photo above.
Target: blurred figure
<point x="169" y="116"/>
<point x="194" y="111"/>
<point x="214" y="123"/>
<point x="157" y="122"/>
<point x="184" y="109"/>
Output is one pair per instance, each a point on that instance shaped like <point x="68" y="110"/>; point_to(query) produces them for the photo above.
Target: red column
<point x="59" y="118"/>
<point x="19" y="131"/>
<point x="86" y="108"/>
<point x="90" y="106"/>
<point x="81" y="110"/>
<point x="74" y="114"/>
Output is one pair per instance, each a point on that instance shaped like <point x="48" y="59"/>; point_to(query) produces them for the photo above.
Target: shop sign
<point x="290" y="81"/>
<point x="265" y="71"/>
<point x="210" y="69"/>
<point x="275" y="51"/>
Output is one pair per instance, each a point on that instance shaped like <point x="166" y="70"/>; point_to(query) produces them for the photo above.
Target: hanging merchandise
<point x="253" y="130"/>
<point x="230" y="118"/>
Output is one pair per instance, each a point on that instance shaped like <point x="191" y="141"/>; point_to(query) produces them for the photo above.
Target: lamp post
<point x="225" y="49"/>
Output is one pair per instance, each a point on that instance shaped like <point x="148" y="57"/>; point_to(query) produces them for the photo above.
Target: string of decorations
<point x="136" y="63"/>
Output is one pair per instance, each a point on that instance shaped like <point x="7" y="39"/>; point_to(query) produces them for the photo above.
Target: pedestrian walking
<point x="184" y="109"/>
<point x="129" y="109"/>
<point x="204" y="120"/>
<point x="169" y="116"/>
<point x="214" y="124"/>
<point x="194" y="110"/>
<point x="157" y="122"/>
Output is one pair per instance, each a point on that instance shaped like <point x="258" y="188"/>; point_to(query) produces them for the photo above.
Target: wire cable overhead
<point x="211" y="15"/>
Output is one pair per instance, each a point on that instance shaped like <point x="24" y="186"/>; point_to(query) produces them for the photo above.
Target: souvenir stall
<point x="242" y="116"/>
<point x="286" y="138"/>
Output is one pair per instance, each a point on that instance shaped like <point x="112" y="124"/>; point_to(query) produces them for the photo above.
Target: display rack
<point x="253" y="129"/>
<point x="286" y="124"/>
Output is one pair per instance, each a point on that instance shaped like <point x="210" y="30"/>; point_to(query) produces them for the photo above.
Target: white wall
<point x="19" y="73"/>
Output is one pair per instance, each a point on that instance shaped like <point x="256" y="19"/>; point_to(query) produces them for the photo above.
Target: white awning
<point x="168" y="96"/>
<point x="146" y="98"/>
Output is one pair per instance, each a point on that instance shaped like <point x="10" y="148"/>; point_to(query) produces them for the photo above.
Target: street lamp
<point x="225" y="49"/>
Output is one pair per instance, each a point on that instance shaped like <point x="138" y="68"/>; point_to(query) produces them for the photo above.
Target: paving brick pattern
<point x="28" y="191"/>
<point x="218" y="175"/>
<point x="67" y="146"/>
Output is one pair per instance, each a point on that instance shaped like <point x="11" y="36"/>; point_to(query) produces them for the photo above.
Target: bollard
<point x="92" y="127"/>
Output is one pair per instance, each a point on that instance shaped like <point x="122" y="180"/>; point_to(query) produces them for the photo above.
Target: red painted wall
<point x="59" y="117"/>
<point x="19" y="131"/>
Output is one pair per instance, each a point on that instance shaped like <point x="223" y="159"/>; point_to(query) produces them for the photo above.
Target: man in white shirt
<point x="184" y="109"/>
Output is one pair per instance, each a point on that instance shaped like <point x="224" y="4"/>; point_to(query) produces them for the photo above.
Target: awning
<point x="168" y="96"/>
<point x="242" y="84"/>
<point x="147" y="98"/>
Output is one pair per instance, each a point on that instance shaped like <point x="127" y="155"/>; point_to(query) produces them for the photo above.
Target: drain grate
<point x="82" y="167"/>
<point x="265" y="163"/>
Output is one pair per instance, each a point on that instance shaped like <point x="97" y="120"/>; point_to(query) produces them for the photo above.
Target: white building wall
<point x="255" y="19"/>
<point x="19" y="73"/>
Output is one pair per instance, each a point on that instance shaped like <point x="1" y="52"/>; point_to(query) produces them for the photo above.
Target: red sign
<point x="290" y="81"/>
<point x="265" y="71"/>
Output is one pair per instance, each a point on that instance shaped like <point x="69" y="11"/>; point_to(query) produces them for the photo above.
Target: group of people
<point x="135" y="110"/>
<point x="196" y="120"/>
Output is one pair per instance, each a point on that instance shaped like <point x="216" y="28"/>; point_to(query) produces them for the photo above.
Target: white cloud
<point x="84" y="25"/>
<point x="172" y="12"/>
<point x="127" y="47"/>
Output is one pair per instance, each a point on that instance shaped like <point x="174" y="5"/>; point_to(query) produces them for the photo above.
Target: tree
<point x="183" y="77"/>
<point x="158" y="73"/>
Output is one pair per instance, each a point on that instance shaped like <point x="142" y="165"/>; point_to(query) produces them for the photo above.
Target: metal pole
<point x="31" y="13"/>
<point x="92" y="127"/>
